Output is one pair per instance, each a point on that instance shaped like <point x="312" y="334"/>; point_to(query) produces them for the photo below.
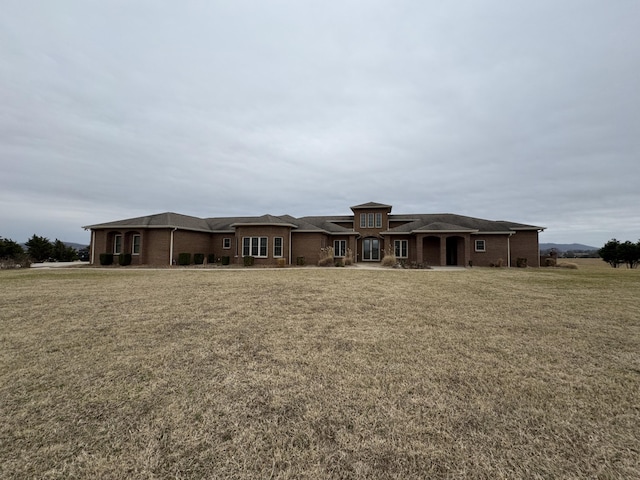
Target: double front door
<point x="371" y="249"/>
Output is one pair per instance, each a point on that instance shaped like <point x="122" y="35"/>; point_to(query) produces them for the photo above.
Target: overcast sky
<point x="526" y="111"/>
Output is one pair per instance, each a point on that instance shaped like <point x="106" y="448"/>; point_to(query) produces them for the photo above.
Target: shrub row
<point x="124" y="259"/>
<point x="198" y="259"/>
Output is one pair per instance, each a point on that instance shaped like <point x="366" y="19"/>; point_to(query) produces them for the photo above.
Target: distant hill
<point x="566" y="247"/>
<point x="77" y="246"/>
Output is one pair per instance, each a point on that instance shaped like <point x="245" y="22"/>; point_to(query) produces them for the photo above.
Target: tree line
<point x="38" y="249"/>
<point x="617" y="253"/>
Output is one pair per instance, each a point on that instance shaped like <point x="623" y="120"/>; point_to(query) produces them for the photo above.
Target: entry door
<point x="452" y="251"/>
<point x="371" y="249"/>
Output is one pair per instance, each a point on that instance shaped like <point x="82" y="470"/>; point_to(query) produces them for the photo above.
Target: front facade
<point x="370" y="232"/>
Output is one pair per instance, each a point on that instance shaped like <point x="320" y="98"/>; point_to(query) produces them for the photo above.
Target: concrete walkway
<point x="58" y="264"/>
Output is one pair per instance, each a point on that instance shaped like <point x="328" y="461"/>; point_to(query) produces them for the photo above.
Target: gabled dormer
<point x="371" y="218"/>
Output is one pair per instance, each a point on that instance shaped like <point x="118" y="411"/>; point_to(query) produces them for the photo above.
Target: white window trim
<point x="258" y="247"/>
<point x="397" y="247"/>
<point x="336" y="249"/>
<point x="224" y="243"/>
<point x="363" y="220"/>
<point x="281" y="246"/>
<point x="378" y="220"/>
<point x="133" y="244"/>
<point x="116" y="250"/>
<point x="484" y="245"/>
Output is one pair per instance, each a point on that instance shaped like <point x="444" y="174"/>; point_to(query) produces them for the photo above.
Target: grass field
<point x="320" y="373"/>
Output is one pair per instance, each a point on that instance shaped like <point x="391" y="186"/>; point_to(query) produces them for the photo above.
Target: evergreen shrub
<point x="106" y="258"/>
<point x="124" y="259"/>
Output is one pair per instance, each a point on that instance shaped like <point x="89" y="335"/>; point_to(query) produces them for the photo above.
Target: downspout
<point x="509" y="250"/>
<point x="171" y="247"/>
<point x="93" y="246"/>
<point x="538" y="242"/>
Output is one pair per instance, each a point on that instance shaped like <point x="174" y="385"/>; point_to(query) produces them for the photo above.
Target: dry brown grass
<point x="320" y="373"/>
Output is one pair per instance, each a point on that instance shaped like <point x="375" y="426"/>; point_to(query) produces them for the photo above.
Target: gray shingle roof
<point x="160" y="220"/>
<point x="452" y="222"/>
<point x="322" y="224"/>
<point x="264" y="220"/>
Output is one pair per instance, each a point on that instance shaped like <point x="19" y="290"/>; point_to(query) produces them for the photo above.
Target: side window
<point x="339" y="248"/>
<point x="277" y="247"/>
<point x="135" y="245"/>
<point x="117" y="244"/>
<point x="401" y="248"/>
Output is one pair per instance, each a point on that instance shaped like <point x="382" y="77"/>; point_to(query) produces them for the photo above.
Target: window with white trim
<point x="135" y="245"/>
<point x="363" y="220"/>
<point x="370" y="220"/>
<point x="481" y="246"/>
<point x="339" y="248"/>
<point x="277" y="246"/>
<point x="254" y="247"/>
<point x="378" y="220"/>
<point x="117" y="244"/>
<point x="226" y="243"/>
<point x="401" y="248"/>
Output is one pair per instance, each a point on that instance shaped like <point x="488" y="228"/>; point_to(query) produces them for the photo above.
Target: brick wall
<point x="496" y="248"/>
<point x="308" y="245"/>
<point x="185" y="241"/>
<point x="524" y="244"/>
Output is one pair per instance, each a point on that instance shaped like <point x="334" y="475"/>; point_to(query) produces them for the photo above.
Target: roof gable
<point x="371" y="205"/>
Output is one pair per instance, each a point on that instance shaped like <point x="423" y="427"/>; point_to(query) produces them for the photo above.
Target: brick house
<point x="371" y="229"/>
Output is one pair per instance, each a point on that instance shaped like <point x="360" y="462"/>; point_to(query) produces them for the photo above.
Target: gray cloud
<point x="525" y="111"/>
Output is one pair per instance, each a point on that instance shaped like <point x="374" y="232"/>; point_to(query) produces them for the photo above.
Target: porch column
<point x="353" y="246"/>
<point x="467" y="250"/>
<point x="420" y="248"/>
<point x="443" y="250"/>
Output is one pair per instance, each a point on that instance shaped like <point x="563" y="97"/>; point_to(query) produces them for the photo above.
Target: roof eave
<point x="156" y="227"/>
<point x="445" y="231"/>
<point x="263" y="224"/>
